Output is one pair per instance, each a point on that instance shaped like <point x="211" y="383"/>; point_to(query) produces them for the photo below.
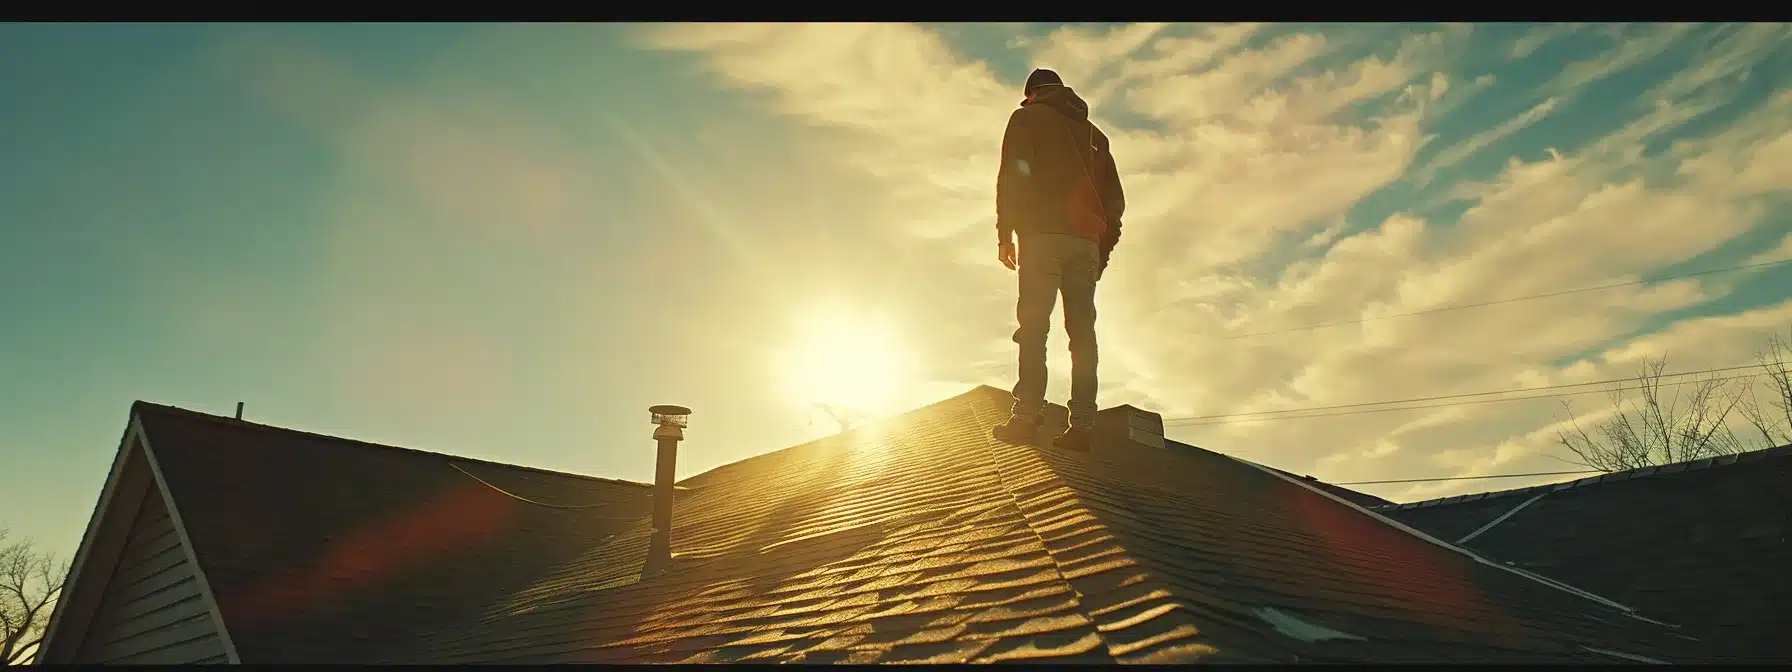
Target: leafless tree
<point x="1656" y="431"/>
<point x="1774" y="422"/>
<point x="847" y="418"/>
<point x="29" y="584"/>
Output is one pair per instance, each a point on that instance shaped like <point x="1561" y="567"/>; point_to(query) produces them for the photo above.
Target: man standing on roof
<point x="1059" y="191"/>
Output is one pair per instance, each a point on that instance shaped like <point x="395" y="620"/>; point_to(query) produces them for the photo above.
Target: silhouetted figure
<point x="1059" y="191"/>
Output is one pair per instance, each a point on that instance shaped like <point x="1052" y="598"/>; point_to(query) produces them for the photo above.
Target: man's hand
<point x="1005" y="254"/>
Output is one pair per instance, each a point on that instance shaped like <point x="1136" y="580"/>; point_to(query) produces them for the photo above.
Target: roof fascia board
<point x="1626" y="656"/>
<point x="186" y="544"/>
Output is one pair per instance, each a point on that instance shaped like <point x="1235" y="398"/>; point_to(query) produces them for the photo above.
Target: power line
<point x="1483" y="304"/>
<point x="1445" y="405"/>
<point x="521" y="498"/>
<point x="1451" y="396"/>
<point x="1226" y="421"/>
<point x="1471" y="478"/>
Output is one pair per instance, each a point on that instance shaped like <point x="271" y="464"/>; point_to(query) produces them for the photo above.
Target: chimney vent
<point x="670" y="422"/>
<point x="1133" y="424"/>
<point x="239" y="410"/>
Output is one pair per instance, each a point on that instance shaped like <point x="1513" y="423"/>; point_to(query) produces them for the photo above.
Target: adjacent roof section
<point x="1358" y="498"/>
<point x="1702" y="541"/>
<point x="1344" y="493"/>
<point x="321" y="549"/>
<point x="921" y="539"/>
<point x="1610" y="477"/>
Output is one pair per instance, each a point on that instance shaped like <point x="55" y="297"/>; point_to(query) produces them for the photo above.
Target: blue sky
<point x="505" y="241"/>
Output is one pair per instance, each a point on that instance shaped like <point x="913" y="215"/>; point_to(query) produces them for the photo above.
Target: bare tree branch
<point x="1684" y="426"/>
<point x="30" y="582"/>
<point x="1775" y="428"/>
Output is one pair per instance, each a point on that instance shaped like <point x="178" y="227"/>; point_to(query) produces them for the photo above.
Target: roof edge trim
<point x="186" y="543"/>
<point x="139" y="406"/>
<point x="1501" y="519"/>
<point x="1625" y="656"/>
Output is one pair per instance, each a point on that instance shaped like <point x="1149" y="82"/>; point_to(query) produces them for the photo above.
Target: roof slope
<point x="328" y="550"/>
<point x="920" y="539"/>
<point x="1702" y="541"/>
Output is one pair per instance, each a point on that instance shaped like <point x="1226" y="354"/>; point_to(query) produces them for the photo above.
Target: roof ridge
<point x="844" y="435"/>
<point x="1685" y="466"/>
<point x="1029" y="511"/>
<point x="139" y="405"/>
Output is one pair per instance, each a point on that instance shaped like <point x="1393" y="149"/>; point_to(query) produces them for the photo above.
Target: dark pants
<point x="1050" y="265"/>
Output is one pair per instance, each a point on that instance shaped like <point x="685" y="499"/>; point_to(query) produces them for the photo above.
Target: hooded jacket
<point x="1057" y="175"/>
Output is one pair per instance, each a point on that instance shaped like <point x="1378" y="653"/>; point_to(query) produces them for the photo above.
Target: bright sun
<point x="849" y="360"/>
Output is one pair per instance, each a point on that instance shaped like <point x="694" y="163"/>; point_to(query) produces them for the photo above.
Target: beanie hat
<point x="1042" y="77"/>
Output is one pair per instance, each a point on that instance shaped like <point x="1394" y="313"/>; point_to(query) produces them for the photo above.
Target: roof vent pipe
<point x="239" y="410"/>
<point x="670" y="421"/>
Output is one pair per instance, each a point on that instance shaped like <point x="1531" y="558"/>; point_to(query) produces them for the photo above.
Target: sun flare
<point x="848" y="360"/>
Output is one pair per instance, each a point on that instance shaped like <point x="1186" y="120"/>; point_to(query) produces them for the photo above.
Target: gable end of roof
<point x="135" y="474"/>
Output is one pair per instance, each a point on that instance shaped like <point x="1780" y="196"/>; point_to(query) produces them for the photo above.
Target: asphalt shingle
<point x="918" y="539"/>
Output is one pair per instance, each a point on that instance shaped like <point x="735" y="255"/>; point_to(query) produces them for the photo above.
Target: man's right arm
<point x="1016" y="151"/>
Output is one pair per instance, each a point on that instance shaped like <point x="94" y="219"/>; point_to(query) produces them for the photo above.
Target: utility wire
<point x="521" y="498"/>
<point x="1483" y="304"/>
<point x="1473" y="402"/>
<point x="1470" y="478"/>
<point x="1192" y="420"/>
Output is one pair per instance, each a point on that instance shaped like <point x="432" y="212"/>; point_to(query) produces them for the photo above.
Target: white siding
<point x="152" y="611"/>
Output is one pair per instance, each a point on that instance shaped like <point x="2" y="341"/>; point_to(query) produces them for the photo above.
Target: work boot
<point x="1018" y="429"/>
<point x="1074" y="438"/>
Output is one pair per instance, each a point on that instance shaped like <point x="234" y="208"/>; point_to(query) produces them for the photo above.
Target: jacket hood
<point x="1062" y="99"/>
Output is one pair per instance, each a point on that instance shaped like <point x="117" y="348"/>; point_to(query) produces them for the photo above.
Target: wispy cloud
<point x="1634" y="45"/>
<point x="1776" y="253"/>
<point x="1239" y="143"/>
<point x="1536" y="38"/>
<point x="1454" y="154"/>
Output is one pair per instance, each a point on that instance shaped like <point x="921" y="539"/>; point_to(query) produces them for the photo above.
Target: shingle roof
<point x="1702" y="541"/>
<point x="322" y="549"/>
<point x="917" y="539"/>
<point x="922" y="540"/>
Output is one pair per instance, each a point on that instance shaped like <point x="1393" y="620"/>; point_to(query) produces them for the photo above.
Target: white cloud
<point x="1450" y="96"/>
<point x="1635" y="44"/>
<point x="1711" y="81"/>
<point x="1079" y="54"/>
<point x="1781" y="252"/>
<point x="1454" y="154"/>
<point x="925" y="120"/>
<point x="1535" y="38"/>
<point x="1251" y="156"/>
<point x="1189" y="52"/>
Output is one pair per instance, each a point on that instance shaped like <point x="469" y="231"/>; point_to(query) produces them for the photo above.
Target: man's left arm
<point x="1113" y="198"/>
